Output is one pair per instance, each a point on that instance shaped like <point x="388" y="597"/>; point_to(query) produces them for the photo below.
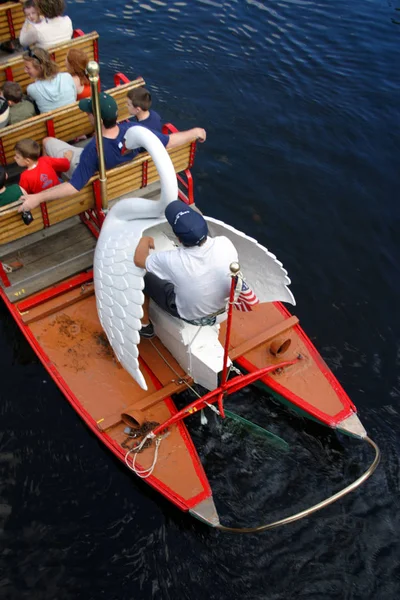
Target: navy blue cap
<point x="189" y="226"/>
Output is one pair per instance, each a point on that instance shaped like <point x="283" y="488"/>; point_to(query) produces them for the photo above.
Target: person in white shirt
<point x="191" y="282"/>
<point x="53" y="29"/>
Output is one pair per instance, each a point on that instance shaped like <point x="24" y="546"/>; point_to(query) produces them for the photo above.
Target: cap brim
<point x="86" y="105"/>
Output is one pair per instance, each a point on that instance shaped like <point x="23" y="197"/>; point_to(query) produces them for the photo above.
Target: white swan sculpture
<point x="119" y="283"/>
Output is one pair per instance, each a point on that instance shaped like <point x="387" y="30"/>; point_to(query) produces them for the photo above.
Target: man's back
<point x="200" y="275"/>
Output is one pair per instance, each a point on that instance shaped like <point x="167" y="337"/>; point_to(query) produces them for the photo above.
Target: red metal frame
<point x="229" y="387"/>
<point x="120" y="79"/>
<point x="50" y="128"/>
<point x="9" y="74"/>
<point x="77" y="33"/>
<point x="10" y="23"/>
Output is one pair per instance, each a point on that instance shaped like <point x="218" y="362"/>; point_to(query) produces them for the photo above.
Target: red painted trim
<point x="77" y="33"/>
<point x="4" y="276"/>
<point x="192" y="154"/>
<point x="45" y="214"/>
<point x="92" y="223"/>
<point x="97" y="195"/>
<point x="9" y="74"/>
<point x="2" y="153"/>
<point x="119" y="79"/>
<point x="10" y="23"/>
<point x="96" y="50"/>
<point x="145" y="168"/>
<point x="53" y="292"/>
<point x="50" y="128"/>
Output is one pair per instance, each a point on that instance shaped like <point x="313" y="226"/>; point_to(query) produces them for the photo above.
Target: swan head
<point x="189" y="226"/>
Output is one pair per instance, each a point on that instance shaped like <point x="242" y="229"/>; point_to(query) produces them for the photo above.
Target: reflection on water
<point x="300" y="102"/>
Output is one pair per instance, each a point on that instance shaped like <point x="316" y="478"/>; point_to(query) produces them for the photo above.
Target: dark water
<point x="300" y="101"/>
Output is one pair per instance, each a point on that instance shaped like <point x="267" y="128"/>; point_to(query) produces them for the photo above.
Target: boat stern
<point x="352" y="426"/>
<point x="206" y="512"/>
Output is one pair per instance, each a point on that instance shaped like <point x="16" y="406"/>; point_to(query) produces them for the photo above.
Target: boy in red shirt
<point x="41" y="171"/>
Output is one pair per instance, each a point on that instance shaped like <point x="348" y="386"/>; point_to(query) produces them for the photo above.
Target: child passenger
<point x="139" y="103"/>
<point x="9" y="194"/>
<point x="20" y="107"/>
<point x="32" y="13"/>
<point x="41" y="171"/>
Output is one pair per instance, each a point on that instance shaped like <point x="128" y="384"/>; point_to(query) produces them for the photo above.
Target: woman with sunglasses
<point x="51" y="89"/>
<point x="53" y="29"/>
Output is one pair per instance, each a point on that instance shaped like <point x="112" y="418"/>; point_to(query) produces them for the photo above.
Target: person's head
<point x="31" y="11"/>
<point x="76" y="63"/>
<point x="38" y="64"/>
<point x="51" y="8"/>
<point x="12" y="92"/>
<point x="26" y="152"/>
<point x="108" y="109"/>
<point x="189" y="226"/>
<point x="3" y="177"/>
<point x="138" y="99"/>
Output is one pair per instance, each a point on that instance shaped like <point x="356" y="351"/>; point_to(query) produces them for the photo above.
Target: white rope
<point x="143" y="473"/>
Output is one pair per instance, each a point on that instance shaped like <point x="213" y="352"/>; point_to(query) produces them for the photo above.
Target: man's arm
<point x="182" y="137"/>
<point x="55" y="193"/>
<point x="142" y="251"/>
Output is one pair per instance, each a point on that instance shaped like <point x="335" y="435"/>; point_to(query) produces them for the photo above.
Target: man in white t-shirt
<point x="191" y="282"/>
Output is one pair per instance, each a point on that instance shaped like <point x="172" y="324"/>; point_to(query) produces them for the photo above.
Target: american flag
<point x="246" y="298"/>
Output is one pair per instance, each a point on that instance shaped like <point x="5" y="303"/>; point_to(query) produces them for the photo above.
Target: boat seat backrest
<point x="13" y="68"/>
<point x="11" y="20"/>
<point x="121" y="180"/>
<point x="65" y="123"/>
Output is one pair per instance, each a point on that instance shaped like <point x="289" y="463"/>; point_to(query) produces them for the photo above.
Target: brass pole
<point x="93" y="70"/>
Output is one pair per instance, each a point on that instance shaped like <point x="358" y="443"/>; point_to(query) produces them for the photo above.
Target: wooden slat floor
<point x="50" y="260"/>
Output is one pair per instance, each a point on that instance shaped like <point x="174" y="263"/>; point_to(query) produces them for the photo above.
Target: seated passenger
<point x="4" y="112"/>
<point x="84" y="161"/>
<point x="51" y="88"/>
<point x="76" y="63"/>
<point x="41" y="171"/>
<point x="191" y="282"/>
<point x="51" y="30"/>
<point x="32" y="15"/>
<point x="9" y="194"/>
<point x="139" y="103"/>
<point x="20" y="107"/>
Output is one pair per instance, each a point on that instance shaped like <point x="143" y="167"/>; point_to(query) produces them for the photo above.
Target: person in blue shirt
<point x="139" y="103"/>
<point x="84" y="161"/>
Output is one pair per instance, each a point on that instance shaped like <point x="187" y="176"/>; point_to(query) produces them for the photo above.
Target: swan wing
<point x="264" y="272"/>
<point x="119" y="287"/>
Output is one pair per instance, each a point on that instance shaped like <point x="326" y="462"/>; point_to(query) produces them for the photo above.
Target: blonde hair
<point x="77" y="63"/>
<point x="41" y="59"/>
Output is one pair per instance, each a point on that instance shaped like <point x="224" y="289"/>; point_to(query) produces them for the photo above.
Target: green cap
<point x="108" y="106"/>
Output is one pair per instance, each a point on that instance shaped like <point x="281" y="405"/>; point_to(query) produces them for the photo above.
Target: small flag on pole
<point x="246" y="298"/>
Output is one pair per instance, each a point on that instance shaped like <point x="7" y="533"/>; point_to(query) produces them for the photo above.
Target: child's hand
<point x="68" y="155"/>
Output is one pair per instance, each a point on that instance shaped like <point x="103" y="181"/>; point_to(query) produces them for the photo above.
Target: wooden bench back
<point x="11" y="20"/>
<point x="65" y="123"/>
<point x="13" y="68"/>
<point x="124" y="179"/>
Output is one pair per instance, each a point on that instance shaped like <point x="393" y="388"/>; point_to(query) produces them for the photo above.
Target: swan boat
<point x="85" y="329"/>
